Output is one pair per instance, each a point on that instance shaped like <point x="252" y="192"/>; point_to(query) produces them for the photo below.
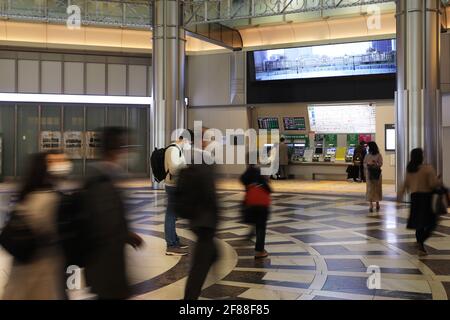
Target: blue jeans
<point x="170" y="231"/>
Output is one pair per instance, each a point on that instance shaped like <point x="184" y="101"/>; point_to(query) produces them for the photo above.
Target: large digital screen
<point x="342" y="119"/>
<point x="325" y="61"/>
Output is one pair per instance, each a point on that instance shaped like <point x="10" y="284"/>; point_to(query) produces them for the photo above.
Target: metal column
<point x="168" y="109"/>
<point x="418" y="101"/>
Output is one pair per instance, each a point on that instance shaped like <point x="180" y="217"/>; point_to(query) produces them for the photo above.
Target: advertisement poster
<point x="365" y="137"/>
<point x="93" y="144"/>
<point x="50" y="140"/>
<point x="73" y="144"/>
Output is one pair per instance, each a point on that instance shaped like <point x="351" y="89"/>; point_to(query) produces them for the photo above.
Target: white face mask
<point x="61" y="169"/>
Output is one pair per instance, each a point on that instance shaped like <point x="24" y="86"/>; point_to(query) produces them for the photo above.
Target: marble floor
<point x="321" y="245"/>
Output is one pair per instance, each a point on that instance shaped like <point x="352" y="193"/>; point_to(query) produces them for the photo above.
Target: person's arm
<point x="433" y="180"/>
<point x="380" y="160"/>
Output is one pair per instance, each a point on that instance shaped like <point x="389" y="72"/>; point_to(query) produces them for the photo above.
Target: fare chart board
<point x="294" y="123"/>
<point x="342" y="119"/>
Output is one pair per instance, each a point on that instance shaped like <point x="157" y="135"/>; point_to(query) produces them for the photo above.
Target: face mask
<point x="61" y="169"/>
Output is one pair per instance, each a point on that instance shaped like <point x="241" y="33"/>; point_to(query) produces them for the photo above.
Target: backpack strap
<point x="179" y="154"/>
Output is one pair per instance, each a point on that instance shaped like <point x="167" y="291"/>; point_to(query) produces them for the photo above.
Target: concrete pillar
<point x="169" y="53"/>
<point x="418" y="114"/>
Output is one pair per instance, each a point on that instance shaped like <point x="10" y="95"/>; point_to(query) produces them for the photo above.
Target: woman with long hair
<point x="373" y="162"/>
<point x="421" y="180"/>
<point x="40" y="278"/>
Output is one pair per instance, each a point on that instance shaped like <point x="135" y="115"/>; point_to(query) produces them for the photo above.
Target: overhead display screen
<point x="294" y="123"/>
<point x="325" y="61"/>
<point x="268" y="123"/>
<point x="342" y="119"/>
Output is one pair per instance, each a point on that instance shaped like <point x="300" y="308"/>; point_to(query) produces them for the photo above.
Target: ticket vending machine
<point x="349" y="155"/>
<point x="319" y="146"/>
<point x="330" y="155"/>
<point x="298" y="151"/>
<point x="318" y="154"/>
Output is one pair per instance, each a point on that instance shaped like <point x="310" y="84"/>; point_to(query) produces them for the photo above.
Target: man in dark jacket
<point x="108" y="229"/>
<point x="197" y="198"/>
<point x="358" y="161"/>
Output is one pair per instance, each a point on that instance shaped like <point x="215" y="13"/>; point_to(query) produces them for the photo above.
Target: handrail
<point x="208" y="11"/>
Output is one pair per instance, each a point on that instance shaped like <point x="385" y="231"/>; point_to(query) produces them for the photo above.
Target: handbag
<point x="439" y="201"/>
<point x="374" y="172"/>
<point x="256" y="196"/>
<point x="18" y="239"/>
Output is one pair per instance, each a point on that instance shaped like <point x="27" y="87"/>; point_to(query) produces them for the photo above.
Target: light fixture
<point x="69" y="98"/>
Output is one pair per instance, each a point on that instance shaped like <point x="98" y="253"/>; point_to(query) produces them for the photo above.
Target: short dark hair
<point x="282" y="139"/>
<point x="113" y="139"/>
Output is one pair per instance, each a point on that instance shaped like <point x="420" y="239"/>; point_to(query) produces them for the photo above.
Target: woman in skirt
<point x="421" y="180"/>
<point x="373" y="162"/>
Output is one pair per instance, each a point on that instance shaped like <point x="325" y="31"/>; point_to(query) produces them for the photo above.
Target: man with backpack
<point x="174" y="161"/>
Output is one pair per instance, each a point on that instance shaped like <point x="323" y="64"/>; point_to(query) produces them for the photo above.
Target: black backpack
<point x="157" y="163"/>
<point x="18" y="239"/>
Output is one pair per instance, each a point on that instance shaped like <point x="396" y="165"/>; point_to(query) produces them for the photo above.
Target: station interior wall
<point x="243" y="117"/>
<point x="214" y="81"/>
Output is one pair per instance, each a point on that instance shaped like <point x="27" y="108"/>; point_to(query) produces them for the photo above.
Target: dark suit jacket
<point x="105" y="268"/>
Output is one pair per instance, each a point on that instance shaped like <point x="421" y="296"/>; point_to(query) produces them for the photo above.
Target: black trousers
<point x="205" y="254"/>
<point x="362" y="174"/>
<point x="260" y="229"/>
<point x="422" y="234"/>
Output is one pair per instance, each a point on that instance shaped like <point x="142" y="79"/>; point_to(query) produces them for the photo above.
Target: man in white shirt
<point x="174" y="161"/>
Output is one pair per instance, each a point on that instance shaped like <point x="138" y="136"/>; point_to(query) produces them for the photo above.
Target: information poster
<point x="93" y="145"/>
<point x="352" y="140"/>
<point x="331" y="140"/>
<point x="342" y="119"/>
<point x="73" y="144"/>
<point x="50" y="140"/>
<point x="390" y="137"/>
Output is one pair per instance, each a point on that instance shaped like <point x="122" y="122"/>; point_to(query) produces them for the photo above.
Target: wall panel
<point x="8" y="75"/>
<point x="28" y="73"/>
<point x="74" y="78"/>
<point x="96" y="78"/>
<point x="51" y="77"/>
